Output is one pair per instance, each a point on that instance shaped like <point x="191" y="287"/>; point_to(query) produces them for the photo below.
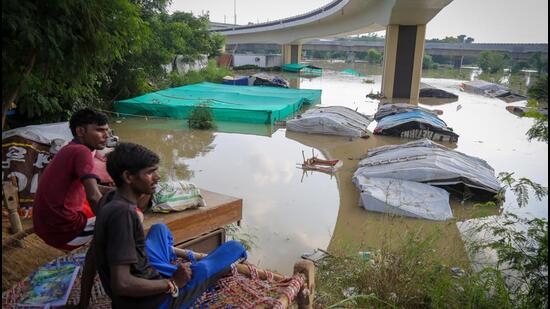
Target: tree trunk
<point x="11" y="98"/>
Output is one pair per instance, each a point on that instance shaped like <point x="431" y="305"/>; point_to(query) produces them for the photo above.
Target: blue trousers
<point x="159" y="246"/>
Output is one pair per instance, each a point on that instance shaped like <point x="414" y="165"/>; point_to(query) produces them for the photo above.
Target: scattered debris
<point x="316" y="164"/>
<point x="316" y="256"/>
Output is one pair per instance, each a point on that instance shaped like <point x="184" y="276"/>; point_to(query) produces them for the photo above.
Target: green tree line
<point x="58" y="56"/>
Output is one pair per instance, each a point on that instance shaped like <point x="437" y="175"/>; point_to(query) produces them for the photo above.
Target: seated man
<point x="67" y="194"/>
<point x="139" y="272"/>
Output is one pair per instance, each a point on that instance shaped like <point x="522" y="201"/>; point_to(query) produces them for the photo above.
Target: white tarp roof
<point x="332" y="120"/>
<point x="404" y="198"/>
<point x="43" y="133"/>
<point x="397" y="108"/>
<point x="428" y="162"/>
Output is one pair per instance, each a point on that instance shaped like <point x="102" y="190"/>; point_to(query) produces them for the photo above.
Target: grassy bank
<point x="411" y="275"/>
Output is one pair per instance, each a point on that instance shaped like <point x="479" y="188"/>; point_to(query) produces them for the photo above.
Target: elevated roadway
<point x="404" y="21"/>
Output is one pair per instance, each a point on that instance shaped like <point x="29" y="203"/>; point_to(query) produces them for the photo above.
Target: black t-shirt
<point x="119" y="240"/>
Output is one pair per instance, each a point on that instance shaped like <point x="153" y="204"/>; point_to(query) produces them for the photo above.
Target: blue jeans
<point x="159" y="246"/>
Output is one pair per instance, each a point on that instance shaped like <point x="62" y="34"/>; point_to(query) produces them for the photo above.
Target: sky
<point x="487" y="21"/>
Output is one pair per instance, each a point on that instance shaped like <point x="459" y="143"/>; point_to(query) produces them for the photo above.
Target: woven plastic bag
<point x="176" y="196"/>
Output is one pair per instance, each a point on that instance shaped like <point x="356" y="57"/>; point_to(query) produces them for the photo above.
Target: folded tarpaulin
<point x="332" y="120"/>
<point x="428" y="162"/>
<point x="403" y="198"/>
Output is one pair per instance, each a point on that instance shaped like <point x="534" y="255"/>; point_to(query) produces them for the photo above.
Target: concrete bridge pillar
<point x="350" y="57"/>
<point x="403" y="55"/>
<point x="292" y="53"/>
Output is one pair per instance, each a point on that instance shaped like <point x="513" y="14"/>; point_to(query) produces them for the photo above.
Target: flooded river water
<point x="289" y="212"/>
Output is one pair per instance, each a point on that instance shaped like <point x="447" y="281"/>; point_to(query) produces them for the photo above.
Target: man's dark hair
<point x="129" y="157"/>
<point x="87" y="116"/>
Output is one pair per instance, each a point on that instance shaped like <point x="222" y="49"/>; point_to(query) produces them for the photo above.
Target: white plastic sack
<point x="176" y="196"/>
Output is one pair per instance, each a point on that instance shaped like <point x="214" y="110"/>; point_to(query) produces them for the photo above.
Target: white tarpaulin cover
<point x="404" y="198"/>
<point x="43" y="133"/>
<point x="428" y="162"/>
<point x="332" y="120"/>
<point x="398" y="108"/>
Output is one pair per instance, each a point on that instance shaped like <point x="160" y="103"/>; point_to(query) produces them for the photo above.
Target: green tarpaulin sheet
<point x="298" y="67"/>
<point x="247" y="104"/>
<point x="352" y="72"/>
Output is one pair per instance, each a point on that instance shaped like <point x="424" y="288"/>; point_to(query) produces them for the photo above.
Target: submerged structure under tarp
<point x="416" y="124"/>
<point x="248" y="104"/>
<point x="398" y="108"/>
<point x="352" y="72"/>
<point x="301" y="68"/>
<point x="331" y="120"/>
<point x="492" y="90"/>
<point x="428" y="162"/>
<point x="403" y="198"/>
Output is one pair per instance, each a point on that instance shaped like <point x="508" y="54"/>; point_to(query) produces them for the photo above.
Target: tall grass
<point x="409" y="275"/>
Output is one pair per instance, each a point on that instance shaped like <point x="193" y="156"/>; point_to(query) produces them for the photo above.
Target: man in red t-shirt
<point x="68" y="192"/>
<point x="66" y="200"/>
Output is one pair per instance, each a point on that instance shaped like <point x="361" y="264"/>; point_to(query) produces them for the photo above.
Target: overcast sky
<point x="487" y="21"/>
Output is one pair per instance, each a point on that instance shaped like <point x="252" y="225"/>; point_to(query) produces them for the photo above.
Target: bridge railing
<point x="286" y="20"/>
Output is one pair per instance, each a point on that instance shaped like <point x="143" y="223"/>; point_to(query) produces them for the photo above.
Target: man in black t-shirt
<point x="138" y="271"/>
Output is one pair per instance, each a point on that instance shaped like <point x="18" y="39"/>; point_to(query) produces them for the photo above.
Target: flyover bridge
<point x="458" y="50"/>
<point x="404" y="21"/>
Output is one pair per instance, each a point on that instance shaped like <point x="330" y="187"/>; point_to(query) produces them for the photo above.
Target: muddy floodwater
<point x="289" y="212"/>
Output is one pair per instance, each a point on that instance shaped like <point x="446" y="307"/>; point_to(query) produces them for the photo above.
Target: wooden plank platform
<point x="220" y="210"/>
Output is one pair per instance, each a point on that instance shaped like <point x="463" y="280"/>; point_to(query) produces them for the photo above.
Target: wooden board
<point x="220" y="210"/>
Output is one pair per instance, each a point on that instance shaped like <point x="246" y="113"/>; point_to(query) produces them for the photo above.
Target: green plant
<point x="521" y="245"/>
<point x="235" y="232"/>
<point x="201" y="118"/>
<point x="411" y="275"/>
<point x="493" y="62"/>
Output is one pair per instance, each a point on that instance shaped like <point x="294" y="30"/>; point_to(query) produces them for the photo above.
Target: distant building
<point x="260" y="60"/>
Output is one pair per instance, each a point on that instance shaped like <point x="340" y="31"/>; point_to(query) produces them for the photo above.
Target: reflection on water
<point x="291" y="214"/>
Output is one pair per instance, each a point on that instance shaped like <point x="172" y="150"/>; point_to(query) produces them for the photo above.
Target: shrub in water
<point x="201" y="118"/>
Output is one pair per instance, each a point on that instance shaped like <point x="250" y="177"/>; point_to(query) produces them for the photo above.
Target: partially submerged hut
<point x="332" y="120"/>
<point x="430" y="163"/>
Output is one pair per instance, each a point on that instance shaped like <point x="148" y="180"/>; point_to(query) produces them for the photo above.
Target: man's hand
<point x="183" y="274"/>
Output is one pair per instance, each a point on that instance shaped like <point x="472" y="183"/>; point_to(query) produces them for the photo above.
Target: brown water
<point x="290" y="212"/>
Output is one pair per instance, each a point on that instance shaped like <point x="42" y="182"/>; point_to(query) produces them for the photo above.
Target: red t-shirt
<point x="58" y="214"/>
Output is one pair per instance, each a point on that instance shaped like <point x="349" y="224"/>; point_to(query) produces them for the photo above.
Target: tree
<point x="538" y="62"/>
<point x="493" y="62"/>
<point x="54" y="53"/>
<point x="538" y="94"/>
<point x="374" y="56"/>
<point x="167" y="36"/>
<point x="428" y="63"/>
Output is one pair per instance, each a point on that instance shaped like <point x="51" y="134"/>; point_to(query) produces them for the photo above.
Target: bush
<point x="493" y="62"/>
<point x="409" y="276"/>
<point x="201" y="118"/>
